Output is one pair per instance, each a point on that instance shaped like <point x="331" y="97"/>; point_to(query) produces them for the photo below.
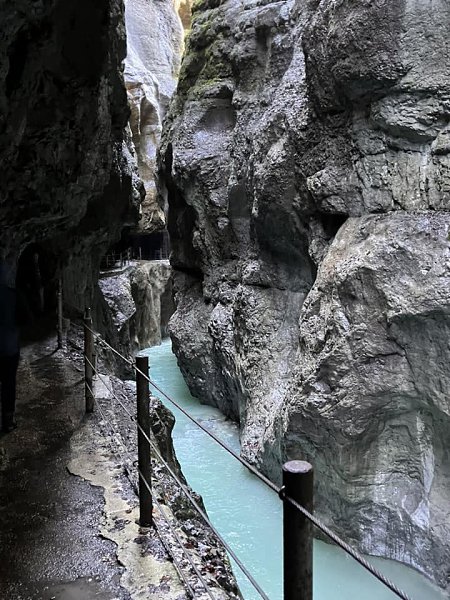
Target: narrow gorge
<point x="293" y="159"/>
<point x="306" y="164"/>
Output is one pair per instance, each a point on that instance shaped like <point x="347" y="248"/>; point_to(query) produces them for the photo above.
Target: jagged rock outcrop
<point x="306" y="161"/>
<point x="68" y="180"/>
<point x="368" y="400"/>
<point x="140" y="302"/>
<point x="151" y="70"/>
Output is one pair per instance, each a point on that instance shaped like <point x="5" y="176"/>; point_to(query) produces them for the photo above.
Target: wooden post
<point x="60" y="315"/>
<point x="297" y="531"/>
<point x="88" y="361"/>
<point x="144" y="458"/>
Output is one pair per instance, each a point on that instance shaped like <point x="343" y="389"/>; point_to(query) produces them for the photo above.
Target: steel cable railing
<point x="279" y="490"/>
<point x="165" y="518"/>
<point x="177" y="537"/>
<point x="165" y="543"/>
<point x="346" y="547"/>
<point x="314" y="520"/>
<point x="194" y="503"/>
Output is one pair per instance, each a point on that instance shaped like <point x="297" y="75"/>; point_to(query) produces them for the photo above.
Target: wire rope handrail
<point x="194" y="503"/>
<point x="201" y="512"/>
<point x="245" y="463"/>
<point x="346" y="547"/>
<point x="161" y="536"/>
<point x="175" y="534"/>
<point x="279" y="490"/>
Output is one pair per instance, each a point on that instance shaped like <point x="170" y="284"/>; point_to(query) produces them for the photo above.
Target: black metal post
<point x="144" y="458"/>
<point x="60" y="315"/>
<point x="88" y="361"/>
<point x="297" y="531"/>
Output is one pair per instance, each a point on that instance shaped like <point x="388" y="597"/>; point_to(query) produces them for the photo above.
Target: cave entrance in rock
<point x="140" y="246"/>
<point x="37" y="285"/>
<point x="151" y="246"/>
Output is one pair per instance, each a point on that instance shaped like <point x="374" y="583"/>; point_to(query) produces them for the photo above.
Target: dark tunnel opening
<point x="138" y="246"/>
<point x="37" y="286"/>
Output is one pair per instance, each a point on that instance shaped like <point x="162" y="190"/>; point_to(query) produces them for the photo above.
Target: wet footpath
<point x="68" y="526"/>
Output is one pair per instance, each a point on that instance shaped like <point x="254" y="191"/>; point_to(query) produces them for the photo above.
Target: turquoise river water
<point x="249" y="515"/>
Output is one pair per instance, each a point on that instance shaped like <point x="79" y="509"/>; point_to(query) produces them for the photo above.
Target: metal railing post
<point x="144" y="458"/>
<point x="60" y="314"/>
<point x="88" y="361"/>
<point x="297" y="531"/>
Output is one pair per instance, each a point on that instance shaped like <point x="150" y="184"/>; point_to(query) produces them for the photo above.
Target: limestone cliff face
<point x="306" y="161"/>
<point x="68" y="182"/>
<point x="140" y="303"/>
<point x="154" y="47"/>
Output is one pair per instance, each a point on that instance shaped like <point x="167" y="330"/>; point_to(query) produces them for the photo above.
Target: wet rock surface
<point x="291" y="119"/>
<point x="140" y="302"/>
<point x="155" y="44"/>
<point x="176" y="519"/>
<point x="45" y="509"/>
<point x="69" y="519"/>
<point x="69" y="182"/>
<point x="371" y="376"/>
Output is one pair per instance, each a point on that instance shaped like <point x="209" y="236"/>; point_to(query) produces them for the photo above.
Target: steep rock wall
<point x="140" y="302"/>
<point x="68" y="180"/>
<point x="294" y="122"/>
<point x="155" y="43"/>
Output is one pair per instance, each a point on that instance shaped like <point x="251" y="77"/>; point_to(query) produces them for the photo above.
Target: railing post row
<point x="297" y="531"/>
<point x="144" y="458"/>
<point x="88" y="361"/>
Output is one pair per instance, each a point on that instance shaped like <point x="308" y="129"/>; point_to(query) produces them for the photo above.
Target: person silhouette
<point x="9" y="345"/>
